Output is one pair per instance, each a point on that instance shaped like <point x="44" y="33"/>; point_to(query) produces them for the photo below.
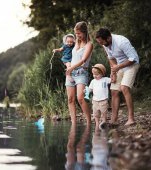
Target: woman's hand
<point x="69" y="70"/>
<point x="54" y="50"/>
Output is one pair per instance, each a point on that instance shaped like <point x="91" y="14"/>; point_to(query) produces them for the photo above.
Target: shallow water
<point x="54" y="146"/>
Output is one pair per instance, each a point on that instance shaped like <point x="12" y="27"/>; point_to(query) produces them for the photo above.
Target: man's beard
<point x="107" y="44"/>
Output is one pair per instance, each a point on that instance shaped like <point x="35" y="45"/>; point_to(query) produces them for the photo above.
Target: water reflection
<point x="40" y="125"/>
<point x="82" y="155"/>
<point x="58" y="145"/>
<point x="100" y="151"/>
<point x="78" y="154"/>
<point x="12" y="157"/>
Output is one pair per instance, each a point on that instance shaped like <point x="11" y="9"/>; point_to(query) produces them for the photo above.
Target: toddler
<point x="69" y="41"/>
<point x="99" y="87"/>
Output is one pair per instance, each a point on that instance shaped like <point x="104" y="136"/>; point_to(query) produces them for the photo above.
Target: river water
<point x="25" y="145"/>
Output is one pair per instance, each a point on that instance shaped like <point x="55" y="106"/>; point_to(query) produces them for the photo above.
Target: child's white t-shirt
<point x="100" y="88"/>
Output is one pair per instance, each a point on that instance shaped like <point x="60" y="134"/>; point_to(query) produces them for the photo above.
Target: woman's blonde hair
<point x="82" y="27"/>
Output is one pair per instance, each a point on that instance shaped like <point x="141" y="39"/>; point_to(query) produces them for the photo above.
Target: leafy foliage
<point x="131" y="18"/>
<point x="49" y="17"/>
<point x="43" y="85"/>
<point x="39" y="92"/>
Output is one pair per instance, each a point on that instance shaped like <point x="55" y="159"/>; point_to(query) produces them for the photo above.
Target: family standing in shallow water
<point x="124" y="64"/>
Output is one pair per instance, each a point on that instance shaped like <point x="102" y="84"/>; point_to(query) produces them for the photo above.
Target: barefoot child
<point x="69" y="41"/>
<point x="99" y="87"/>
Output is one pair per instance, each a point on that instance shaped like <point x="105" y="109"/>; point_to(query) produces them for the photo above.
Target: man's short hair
<point x="103" y="33"/>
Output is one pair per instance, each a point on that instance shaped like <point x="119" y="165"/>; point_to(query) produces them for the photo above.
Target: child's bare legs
<point x="96" y="113"/>
<point x="97" y="120"/>
<point x="104" y="117"/>
<point x="100" y="122"/>
<point x="100" y="107"/>
<point x="68" y="64"/>
<point x="104" y="111"/>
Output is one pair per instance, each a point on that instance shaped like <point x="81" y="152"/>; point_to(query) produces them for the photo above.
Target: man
<point x="124" y="63"/>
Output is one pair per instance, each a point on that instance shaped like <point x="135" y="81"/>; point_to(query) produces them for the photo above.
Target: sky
<point x="12" y="31"/>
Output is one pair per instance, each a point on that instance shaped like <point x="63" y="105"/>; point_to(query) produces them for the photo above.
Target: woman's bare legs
<point x="81" y="145"/>
<point x="84" y="105"/>
<point x="71" y="93"/>
<point x="71" y="147"/>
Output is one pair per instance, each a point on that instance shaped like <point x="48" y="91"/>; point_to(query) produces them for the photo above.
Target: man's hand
<point x="115" y="69"/>
<point x="113" y="78"/>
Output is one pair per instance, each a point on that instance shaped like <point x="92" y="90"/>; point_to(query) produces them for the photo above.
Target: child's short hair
<point x="68" y="35"/>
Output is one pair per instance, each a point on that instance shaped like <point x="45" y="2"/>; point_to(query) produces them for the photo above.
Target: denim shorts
<point x="79" y="75"/>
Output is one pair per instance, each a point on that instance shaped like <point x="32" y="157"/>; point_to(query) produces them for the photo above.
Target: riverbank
<point x="131" y="146"/>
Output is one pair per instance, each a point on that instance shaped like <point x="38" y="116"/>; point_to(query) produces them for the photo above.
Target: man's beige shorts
<point x="125" y="78"/>
<point x="100" y="107"/>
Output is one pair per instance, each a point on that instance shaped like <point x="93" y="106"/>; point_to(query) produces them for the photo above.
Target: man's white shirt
<point x="121" y="49"/>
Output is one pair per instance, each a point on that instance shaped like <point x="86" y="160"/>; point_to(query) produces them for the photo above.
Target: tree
<point x="132" y="19"/>
<point x="52" y="16"/>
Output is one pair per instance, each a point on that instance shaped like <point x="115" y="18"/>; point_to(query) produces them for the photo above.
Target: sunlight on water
<point x="4" y="136"/>
<point x="9" y="151"/>
<point x="13" y="159"/>
<point x="17" y="167"/>
<point x="9" y="127"/>
<point x="52" y="145"/>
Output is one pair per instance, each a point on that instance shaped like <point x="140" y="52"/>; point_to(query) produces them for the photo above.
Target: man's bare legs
<point x="71" y="93"/>
<point x="115" y="103"/>
<point x="84" y="105"/>
<point x="129" y="102"/>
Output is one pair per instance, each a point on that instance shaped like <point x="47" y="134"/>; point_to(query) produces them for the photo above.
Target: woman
<point x="81" y="55"/>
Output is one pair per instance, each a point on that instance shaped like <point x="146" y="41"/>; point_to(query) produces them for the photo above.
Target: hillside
<point x="14" y="59"/>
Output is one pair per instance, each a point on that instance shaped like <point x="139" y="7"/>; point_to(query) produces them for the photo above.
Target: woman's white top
<point x="77" y="56"/>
